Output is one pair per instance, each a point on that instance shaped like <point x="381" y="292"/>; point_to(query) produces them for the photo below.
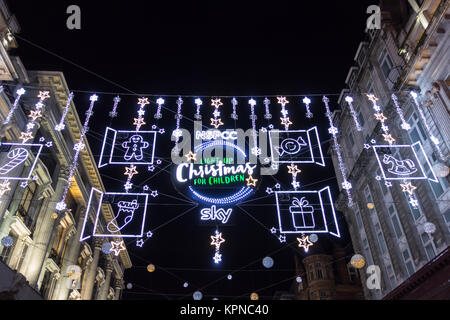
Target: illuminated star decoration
<point x="154" y="193"/>
<point x="282" y="238"/>
<point x="35" y="114"/>
<point x="388" y="138"/>
<point x="177" y="133"/>
<point x="216" y="113"/>
<point x="24" y="184"/>
<point x="140" y="243"/>
<point x="304" y="243"/>
<point x="130" y="171"/>
<point x="146" y="188"/>
<point x="43" y="95"/>
<point x="286" y="122"/>
<point x="388" y="184"/>
<point x="151" y="168"/>
<point x="158" y="161"/>
<point x="278" y="186"/>
<point x="282" y="100"/>
<point x="216" y="123"/>
<point x="269" y="190"/>
<point x="217" y="240"/>
<point x="149" y="234"/>
<point x="367" y="146"/>
<point x="333" y="130"/>
<point x="380" y="117"/>
<point x="414" y="202"/>
<point x="408" y="187"/>
<point x="251" y="181"/>
<point x="143" y="102"/>
<point x="117" y="246"/>
<point x="25" y="136"/>
<point x="49" y="144"/>
<point x="4" y="187"/>
<point x="139" y="122"/>
<point x="274" y="166"/>
<point x="216" y="103"/>
<point x="191" y="156"/>
<point x="295" y="184"/>
<point x="294" y="170"/>
<point x="42" y="139"/>
<point x="273" y="230"/>
<point x="161" y="131"/>
<point x="372" y="98"/>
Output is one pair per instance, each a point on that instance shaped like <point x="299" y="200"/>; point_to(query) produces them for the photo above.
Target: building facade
<point x="45" y="259"/>
<point x="409" y="53"/>
<point x="327" y="277"/>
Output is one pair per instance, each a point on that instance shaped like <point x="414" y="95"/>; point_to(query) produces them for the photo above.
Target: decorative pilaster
<point x="118" y="286"/>
<point x="88" y="286"/>
<point x="104" y="290"/>
<point x="44" y="234"/>
<point x="70" y="258"/>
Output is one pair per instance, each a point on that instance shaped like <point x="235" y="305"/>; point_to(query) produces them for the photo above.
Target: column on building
<point x="71" y="257"/>
<point x="118" y="286"/>
<point x="43" y="235"/>
<point x="104" y="290"/>
<point x="88" y="286"/>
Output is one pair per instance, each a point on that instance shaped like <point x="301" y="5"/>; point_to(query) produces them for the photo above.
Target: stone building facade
<point x="409" y="53"/>
<point x="327" y="277"/>
<point x="46" y="245"/>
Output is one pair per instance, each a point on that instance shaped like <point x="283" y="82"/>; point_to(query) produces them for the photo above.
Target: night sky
<point x="219" y="48"/>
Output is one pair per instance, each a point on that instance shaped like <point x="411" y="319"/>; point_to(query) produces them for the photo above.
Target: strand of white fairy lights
<point x="267" y="115"/>
<point x="198" y="102"/>
<point x="159" y="102"/>
<point x="78" y="147"/>
<point x="34" y="115"/>
<point x="379" y="115"/>
<point x="405" y="125"/>
<point x="255" y="150"/>
<point x="346" y="185"/>
<point x="20" y="92"/>
<point x="435" y="140"/>
<point x="234" y="115"/>
<point x="307" y="102"/>
<point x="113" y="112"/>
<point x="285" y="119"/>
<point x="60" y="126"/>
<point x="177" y="132"/>
<point x="349" y="101"/>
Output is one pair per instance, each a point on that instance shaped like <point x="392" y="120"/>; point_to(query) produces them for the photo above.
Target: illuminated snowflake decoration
<point x="177" y="133"/>
<point x="333" y="130"/>
<point x="128" y="185"/>
<point x="405" y="126"/>
<point x="256" y="151"/>
<point x="295" y="184"/>
<point x="346" y="185"/>
<point x="217" y="258"/>
<point x="60" y="206"/>
<point x="79" y="146"/>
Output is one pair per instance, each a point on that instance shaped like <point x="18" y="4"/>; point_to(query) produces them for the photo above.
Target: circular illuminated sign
<point x="221" y="175"/>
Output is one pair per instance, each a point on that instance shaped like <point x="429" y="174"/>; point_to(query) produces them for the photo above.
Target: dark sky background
<point x="218" y="48"/>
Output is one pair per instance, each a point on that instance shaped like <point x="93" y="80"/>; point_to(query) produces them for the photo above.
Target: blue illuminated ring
<point x="239" y="195"/>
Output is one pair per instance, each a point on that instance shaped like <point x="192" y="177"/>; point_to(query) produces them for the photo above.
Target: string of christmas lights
<point x="435" y="140"/>
<point x="267" y="115"/>
<point x="346" y="185"/>
<point x="60" y="126"/>
<point x="405" y="125"/>
<point x="113" y="112"/>
<point x="382" y="118"/>
<point x="34" y="115"/>
<point x="20" y="92"/>
<point x="234" y="115"/>
<point x="198" y="102"/>
<point x="285" y="119"/>
<point x="217" y="241"/>
<point x="159" y="102"/>
<point x="349" y="101"/>
<point x="177" y="132"/>
<point x="216" y="122"/>
<point x="78" y="147"/>
<point x="255" y="150"/>
<point x="307" y="103"/>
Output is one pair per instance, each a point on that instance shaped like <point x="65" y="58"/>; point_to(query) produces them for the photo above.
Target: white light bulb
<point x="306" y="100"/>
<point x="349" y="99"/>
<point x="413" y="94"/>
<point x="160" y="101"/>
<point x="93" y="98"/>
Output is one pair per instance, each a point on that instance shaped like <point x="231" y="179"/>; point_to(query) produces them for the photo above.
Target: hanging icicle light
<point x="349" y="101"/>
<point x="20" y="92"/>
<point x="307" y="102"/>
